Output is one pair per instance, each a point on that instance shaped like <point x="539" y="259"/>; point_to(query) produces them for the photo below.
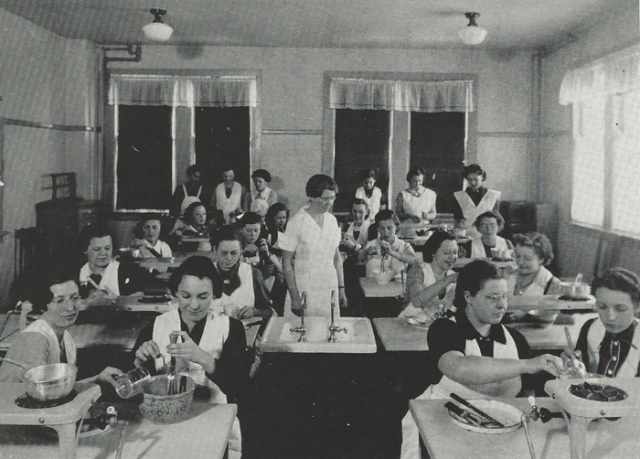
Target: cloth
<point x="363" y="232"/>
<point x="419" y="277"/>
<point x="446" y="335"/>
<point x="160" y="247"/>
<point x="374" y="262"/>
<point x="314" y="249"/>
<point x="473" y="203"/>
<point x="416" y="205"/>
<point x="375" y="201"/>
<point x="37" y="345"/>
<point x="244" y="287"/>
<point x="227" y="204"/>
<point x="541" y="284"/>
<point x="479" y="250"/>
<point x="215" y="333"/>
<point x="118" y="278"/>
<point x="605" y="353"/>
<point x="269" y="195"/>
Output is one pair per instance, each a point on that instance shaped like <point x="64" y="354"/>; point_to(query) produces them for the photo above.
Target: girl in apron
<point x="371" y="194"/>
<point x="477" y="356"/>
<point x="475" y="199"/>
<point x="416" y="203"/>
<point x="213" y="348"/>
<point x="311" y="259"/>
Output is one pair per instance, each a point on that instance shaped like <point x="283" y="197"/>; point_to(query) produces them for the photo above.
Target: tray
<point x="507" y="414"/>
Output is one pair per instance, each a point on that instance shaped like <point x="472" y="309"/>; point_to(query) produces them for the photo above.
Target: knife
<point x="455" y="409"/>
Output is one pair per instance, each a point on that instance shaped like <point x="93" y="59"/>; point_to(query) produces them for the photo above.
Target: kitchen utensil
<point x="47" y="382"/>
<point x="172" y="383"/>
<point x="132" y="383"/>
<point x="162" y="408"/>
<point x="532" y="452"/>
<point x="459" y="399"/>
<point x="570" y="351"/>
<point x="503" y="255"/>
<point x="575" y="289"/>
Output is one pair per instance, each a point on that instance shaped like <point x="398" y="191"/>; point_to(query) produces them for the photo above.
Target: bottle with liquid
<point x="132" y="383"/>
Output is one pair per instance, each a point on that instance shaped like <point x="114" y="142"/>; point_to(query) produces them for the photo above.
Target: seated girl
<point x="533" y="251"/>
<point x="371" y="194"/>
<point x="416" y="204"/>
<point x="47" y="340"/>
<point x="193" y="224"/>
<point x="431" y="284"/>
<point x="387" y="252"/>
<point x="276" y="222"/>
<point x="244" y="293"/>
<point x="255" y="249"/>
<point x="148" y="239"/>
<point x="610" y="344"/>
<point x="476" y="356"/>
<point x="102" y="276"/>
<point x="356" y="234"/>
<point x="213" y="350"/>
<point x="489" y="224"/>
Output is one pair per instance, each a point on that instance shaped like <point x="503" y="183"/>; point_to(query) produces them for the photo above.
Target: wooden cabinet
<point x="61" y="221"/>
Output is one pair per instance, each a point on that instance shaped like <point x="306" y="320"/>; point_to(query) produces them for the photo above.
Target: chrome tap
<point x="333" y="329"/>
<point x="301" y="329"/>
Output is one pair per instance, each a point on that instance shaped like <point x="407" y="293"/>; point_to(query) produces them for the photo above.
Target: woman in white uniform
<point x="475" y="199"/>
<point x="477" y="356"/>
<point x="213" y="348"/>
<point x="416" y="203"/>
<point x="489" y="224"/>
<point x="227" y="197"/>
<point x="260" y="179"/>
<point x="371" y="194"/>
<point x="47" y="340"/>
<point x="356" y="234"/>
<point x="312" y="239"/>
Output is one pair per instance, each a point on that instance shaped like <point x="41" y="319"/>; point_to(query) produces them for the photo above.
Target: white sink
<point x="358" y="338"/>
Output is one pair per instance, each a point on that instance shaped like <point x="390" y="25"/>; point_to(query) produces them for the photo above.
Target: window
<point x="362" y="142"/>
<point x="606" y="149"/>
<point x="391" y="125"/>
<point x="161" y="124"/>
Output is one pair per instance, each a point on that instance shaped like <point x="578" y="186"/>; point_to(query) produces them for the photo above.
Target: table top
<point x="549" y="302"/>
<point x="162" y="264"/>
<point x="445" y="440"/>
<point x="397" y="335"/>
<point x="372" y="289"/>
<point x="204" y="432"/>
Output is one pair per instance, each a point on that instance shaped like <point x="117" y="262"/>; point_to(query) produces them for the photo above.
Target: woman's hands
<point x="263" y="246"/>
<point x="348" y="242"/>
<point x="546" y="362"/>
<point x="190" y="351"/>
<point x="148" y="351"/>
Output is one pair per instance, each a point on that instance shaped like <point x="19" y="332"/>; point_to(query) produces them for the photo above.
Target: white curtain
<point x="184" y="91"/>
<point x="404" y="96"/>
<point x="615" y="74"/>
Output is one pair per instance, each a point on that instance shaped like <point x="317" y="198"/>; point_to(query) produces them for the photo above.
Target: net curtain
<point x="404" y="96"/>
<point x="191" y="91"/>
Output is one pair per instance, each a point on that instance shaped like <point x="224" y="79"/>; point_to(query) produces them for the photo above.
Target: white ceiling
<point x="322" y="23"/>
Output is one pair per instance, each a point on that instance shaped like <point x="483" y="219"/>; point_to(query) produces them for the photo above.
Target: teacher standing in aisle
<point x="311" y="259"/>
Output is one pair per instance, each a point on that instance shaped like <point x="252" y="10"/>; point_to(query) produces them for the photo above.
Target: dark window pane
<point x="144" y="157"/>
<point x="362" y="142"/>
<point x="437" y="145"/>
<point x="223" y="141"/>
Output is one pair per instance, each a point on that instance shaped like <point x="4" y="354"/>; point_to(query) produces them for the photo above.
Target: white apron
<point x="188" y="200"/>
<point x="230" y="204"/>
<point x="537" y="287"/>
<point x="109" y="281"/>
<point x="629" y="368"/>
<point x="160" y="246"/>
<point x="477" y="248"/>
<point x="216" y="332"/>
<point x="314" y="271"/>
<point x="42" y="327"/>
<point x="373" y="201"/>
<point x="374" y="262"/>
<point x="242" y="296"/>
<point x="416" y="205"/>
<point x="471" y="212"/>
<point x="364" y="232"/>
<point x="410" y="436"/>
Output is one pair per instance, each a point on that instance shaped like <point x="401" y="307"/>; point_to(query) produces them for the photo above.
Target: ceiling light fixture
<point x="157" y="30"/>
<point x="473" y="34"/>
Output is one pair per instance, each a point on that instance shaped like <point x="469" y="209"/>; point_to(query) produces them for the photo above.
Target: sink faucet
<point x="301" y="329"/>
<point x="333" y="329"/>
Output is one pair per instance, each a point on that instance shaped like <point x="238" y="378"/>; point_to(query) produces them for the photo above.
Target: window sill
<point x="597" y="231"/>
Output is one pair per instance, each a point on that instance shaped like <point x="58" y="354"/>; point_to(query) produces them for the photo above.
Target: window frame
<point x="400" y="129"/>
<point x="183" y="131"/>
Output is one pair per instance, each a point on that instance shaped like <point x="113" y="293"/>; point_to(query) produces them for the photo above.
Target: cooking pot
<point x="573" y="289"/>
<point x="47" y="382"/>
<point x="505" y="254"/>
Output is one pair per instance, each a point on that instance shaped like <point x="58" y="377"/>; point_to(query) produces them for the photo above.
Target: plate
<point x="417" y="322"/>
<point x="507" y="414"/>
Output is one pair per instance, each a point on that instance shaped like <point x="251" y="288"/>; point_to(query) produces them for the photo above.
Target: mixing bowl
<point x="160" y="408"/>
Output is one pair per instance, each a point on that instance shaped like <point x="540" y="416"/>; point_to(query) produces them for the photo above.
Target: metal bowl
<point x="573" y="289"/>
<point x="506" y="254"/>
<point x="50" y="382"/>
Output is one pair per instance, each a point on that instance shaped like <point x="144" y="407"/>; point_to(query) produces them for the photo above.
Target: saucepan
<point x="47" y="382"/>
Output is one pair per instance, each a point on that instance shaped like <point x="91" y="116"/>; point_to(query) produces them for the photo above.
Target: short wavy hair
<point x="318" y="183"/>
<point x="540" y="244"/>
<point x="387" y="214"/>
<point x="434" y="242"/>
<point x="491" y="214"/>
<point x="620" y="279"/>
<point x="472" y="279"/>
<point x="415" y="171"/>
<point x="198" y="266"/>
<point x="474" y="169"/>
